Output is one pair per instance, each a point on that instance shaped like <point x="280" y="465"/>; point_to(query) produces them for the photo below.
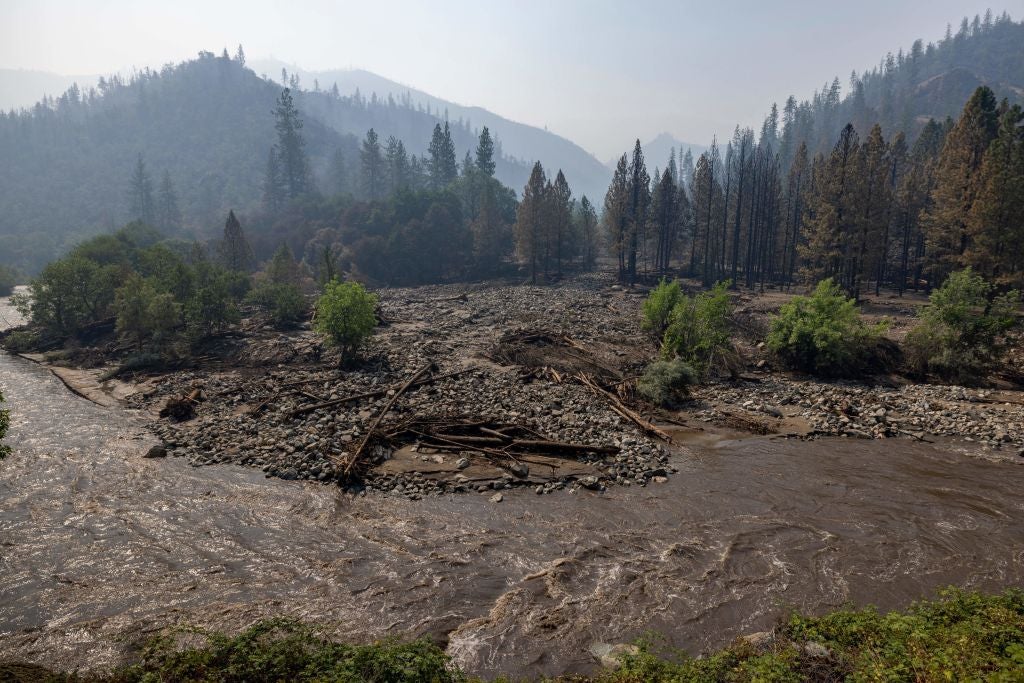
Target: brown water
<point x="99" y="547"/>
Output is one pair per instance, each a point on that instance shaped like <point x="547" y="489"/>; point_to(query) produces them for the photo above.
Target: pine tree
<point x="665" y="216"/>
<point x="530" y="217"/>
<point x="397" y="161"/>
<point x="995" y="223"/>
<point x="240" y="55"/>
<point x="871" y="206"/>
<point x="235" y="252"/>
<point x="561" y="219"/>
<point x="485" y="153"/>
<point x="707" y="208"/>
<point x="443" y="167"/>
<point x="283" y="268"/>
<point x="639" y="204"/>
<point x="958" y="183"/>
<point x="588" y="232"/>
<point x="294" y="167"/>
<point x="140" y="194"/>
<point x="372" y="163"/>
<point x="616" y="213"/>
<point x="168" y="215"/>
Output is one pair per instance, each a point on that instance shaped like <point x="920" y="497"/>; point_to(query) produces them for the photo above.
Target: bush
<point x="284" y="650"/>
<point x="665" y="381"/>
<point x="961" y="331"/>
<point x="698" y="329"/>
<point x="5" y="422"/>
<point x="21" y="341"/>
<point x="824" y="334"/>
<point x="144" y="313"/>
<point x="657" y="308"/>
<point x="283" y="303"/>
<point x="346" y="315"/>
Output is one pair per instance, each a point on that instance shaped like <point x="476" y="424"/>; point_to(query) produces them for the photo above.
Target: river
<point x="100" y="548"/>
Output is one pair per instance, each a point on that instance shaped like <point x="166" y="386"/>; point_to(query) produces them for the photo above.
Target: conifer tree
<point x="338" y="172"/>
<point x="168" y="214"/>
<point x="283" y="268"/>
<point x="958" y="183"/>
<point x="485" y="153"/>
<point x="240" y="55"/>
<point x="235" y="252"/>
<point x="530" y="217"/>
<point x="560" y="198"/>
<point x="294" y="167"/>
<point x="372" y="162"/>
<point x="995" y="223"/>
<point x="140" y="194"/>
<point x="397" y="161"/>
<point x="639" y="204"/>
<point x="588" y="232"/>
<point x="443" y="167"/>
<point x="616" y="213"/>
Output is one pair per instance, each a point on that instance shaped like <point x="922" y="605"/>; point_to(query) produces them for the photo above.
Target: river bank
<point x="102" y="547"/>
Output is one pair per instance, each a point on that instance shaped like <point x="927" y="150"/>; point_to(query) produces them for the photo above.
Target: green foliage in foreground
<point x="665" y="381"/>
<point x="284" y="304"/>
<point x="693" y="329"/>
<point x="346" y="315"/>
<point x="823" y="333"/>
<point x="961" y="331"/>
<point x="960" y="636"/>
<point x="5" y="422"/>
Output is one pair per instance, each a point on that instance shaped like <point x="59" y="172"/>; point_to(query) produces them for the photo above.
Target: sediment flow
<point x="100" y="548"/>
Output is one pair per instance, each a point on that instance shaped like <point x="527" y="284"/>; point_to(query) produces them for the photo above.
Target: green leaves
<point x="823" y="333"/>
<point x="345" y="314"/>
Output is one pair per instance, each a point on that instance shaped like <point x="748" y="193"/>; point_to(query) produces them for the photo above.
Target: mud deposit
<point x="100" y="547"/>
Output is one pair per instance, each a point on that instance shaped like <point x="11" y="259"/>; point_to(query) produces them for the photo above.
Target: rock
<point x="519" y="469"/>
<point x="814" y="649"/>
<point x="157" y="451"/>
<point x="590" y="482"/>
<point x="497" y="498"/>
<point x="760" y="639"/>
<point x="611" y="656"/>
<point x="462" y="463"/>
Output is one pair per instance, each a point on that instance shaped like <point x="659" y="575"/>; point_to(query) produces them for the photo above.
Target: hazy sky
<point x="600" y="73"/>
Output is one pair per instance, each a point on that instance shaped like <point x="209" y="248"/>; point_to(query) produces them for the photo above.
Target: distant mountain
<point x="206" y="122"/>
<point x="658" y="150"/>
<point x="585" y="173"/>
<point x="21" y="89"/>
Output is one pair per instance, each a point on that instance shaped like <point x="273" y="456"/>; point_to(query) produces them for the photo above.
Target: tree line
<point x="873" y="212"/>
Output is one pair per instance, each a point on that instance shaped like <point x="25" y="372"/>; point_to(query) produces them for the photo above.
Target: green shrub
<point x="5" y="422"/>
<point x="698" y="329"/>
<point x="823" y="333"/>
<point x="658" y="306"/>
<point x="961" y="331"/>
<point x="666" y="381"/>
<point x="284" y="650"/>
<point x="283" y="303"/>
<point x="345" y="314"/>
<point x="143" y="313"/>
<point x="71" y="293"/>
<point x="21" y="341"/>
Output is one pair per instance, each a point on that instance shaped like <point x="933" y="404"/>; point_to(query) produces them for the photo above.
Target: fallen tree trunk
<point x="354" y="459"/>
<point x="622" y="410"/>
<point x="535" y="445"/>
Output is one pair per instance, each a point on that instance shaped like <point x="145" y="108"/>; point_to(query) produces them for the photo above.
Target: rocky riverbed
<point x="508" y="353"/>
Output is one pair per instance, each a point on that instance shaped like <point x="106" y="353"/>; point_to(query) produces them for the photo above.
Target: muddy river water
<point x="100" y="547"/>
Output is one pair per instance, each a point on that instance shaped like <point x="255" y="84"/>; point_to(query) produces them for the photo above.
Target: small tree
<point x="823" y="333"/>
<point x="698" y="329"/>
<point x="283" y="303"/>
<point x="5" y="422"/>
<point x="145" y="313"/>
<point x="657" y="308"/>
<point x="961" y="331"/>
<point x="345" y="315"/>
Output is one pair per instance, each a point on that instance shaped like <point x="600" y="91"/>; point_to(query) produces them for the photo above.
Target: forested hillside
<point x="203" y="130"/>
<point x="517" y="140"/>
<point x="831" y="192"/>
